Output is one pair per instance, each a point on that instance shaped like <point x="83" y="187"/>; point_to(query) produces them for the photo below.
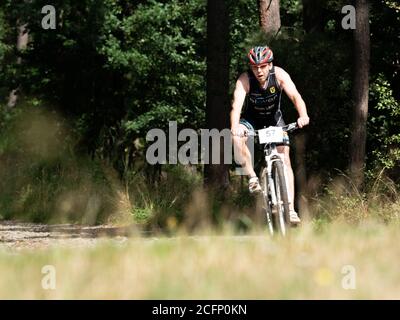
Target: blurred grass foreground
<point x="339" y="262"/>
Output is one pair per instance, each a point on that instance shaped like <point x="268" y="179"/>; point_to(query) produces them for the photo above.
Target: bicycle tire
<point x="266" y="203"/>
<point x="281" y="212"/>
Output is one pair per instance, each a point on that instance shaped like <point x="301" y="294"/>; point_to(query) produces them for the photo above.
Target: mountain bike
<point x="273" y="178"/>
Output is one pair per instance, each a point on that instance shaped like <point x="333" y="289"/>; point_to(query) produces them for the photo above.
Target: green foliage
<point x="384" y="121"/>
<point x="3" y="47"/>
<point x="7" y="69"/>
<point x="115" y="67"/>
<point x="243" y="23"/>
<point x="163" y="62"/>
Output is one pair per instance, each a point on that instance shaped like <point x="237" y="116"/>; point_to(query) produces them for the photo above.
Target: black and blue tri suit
<point x="263" y="105"/>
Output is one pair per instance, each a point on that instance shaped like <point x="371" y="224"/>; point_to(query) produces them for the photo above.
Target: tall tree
<point x="270" y="19"/>
<point x="217" y="104"/>
<point x="360" y="91"/>
<point x="313" y="17"/>
<point x="22" y="42"/>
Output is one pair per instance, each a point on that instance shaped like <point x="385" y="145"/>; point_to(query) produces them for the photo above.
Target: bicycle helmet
<point x="260" y="55"/>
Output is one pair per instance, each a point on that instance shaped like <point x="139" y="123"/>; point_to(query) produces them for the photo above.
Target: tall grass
<point x="310" y="264"/>
<point x="341" y="200"/>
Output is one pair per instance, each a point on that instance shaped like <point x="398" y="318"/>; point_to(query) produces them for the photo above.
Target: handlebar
<point x="290" y="127"/>
<point x="287" y="128"/>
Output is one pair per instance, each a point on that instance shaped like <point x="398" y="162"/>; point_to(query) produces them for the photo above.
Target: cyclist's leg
<point x="294" y="218"/>
<point x="242" y="152"/>
<point x="285" y="151"/>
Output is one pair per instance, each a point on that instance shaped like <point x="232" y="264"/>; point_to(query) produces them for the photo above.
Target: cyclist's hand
<point x="303" y="121"/>
<point x="239" y="131"/>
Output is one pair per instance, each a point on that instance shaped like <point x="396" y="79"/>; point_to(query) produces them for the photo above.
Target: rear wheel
<point x="281" y="209"/>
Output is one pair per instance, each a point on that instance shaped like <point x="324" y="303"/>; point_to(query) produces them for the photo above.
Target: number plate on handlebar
<point x="270" y="135"/>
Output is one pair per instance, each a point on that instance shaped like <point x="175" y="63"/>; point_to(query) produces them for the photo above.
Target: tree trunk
<point x="313" y="16"/>
<point x="270" y="19"/>
<point x="22" y="43"/>
<point x="217" y="105"/>
<point x="360" y="92"/>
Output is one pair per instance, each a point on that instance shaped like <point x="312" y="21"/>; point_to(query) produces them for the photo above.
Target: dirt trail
<point x="21" y="235"/>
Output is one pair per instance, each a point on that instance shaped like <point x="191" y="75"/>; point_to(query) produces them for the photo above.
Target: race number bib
<point x="271" y="135"/>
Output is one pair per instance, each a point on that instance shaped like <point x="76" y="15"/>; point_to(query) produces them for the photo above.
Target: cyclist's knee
<point x="239" y="151"/>
<point x="239" y="141"/>
<point x="285" y="153"/>
<point x="239" y="144"/>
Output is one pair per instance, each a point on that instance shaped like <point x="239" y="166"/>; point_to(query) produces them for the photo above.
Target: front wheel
<point x="281" y="207"/>
<point x="266" y="200"/>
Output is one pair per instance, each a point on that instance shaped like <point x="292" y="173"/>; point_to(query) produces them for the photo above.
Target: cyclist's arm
<point x="290" y="89"/>
<point x="241" y="88"/>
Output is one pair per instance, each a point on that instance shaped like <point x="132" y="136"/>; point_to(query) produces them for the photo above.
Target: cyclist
<point x="261" y="86"/>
